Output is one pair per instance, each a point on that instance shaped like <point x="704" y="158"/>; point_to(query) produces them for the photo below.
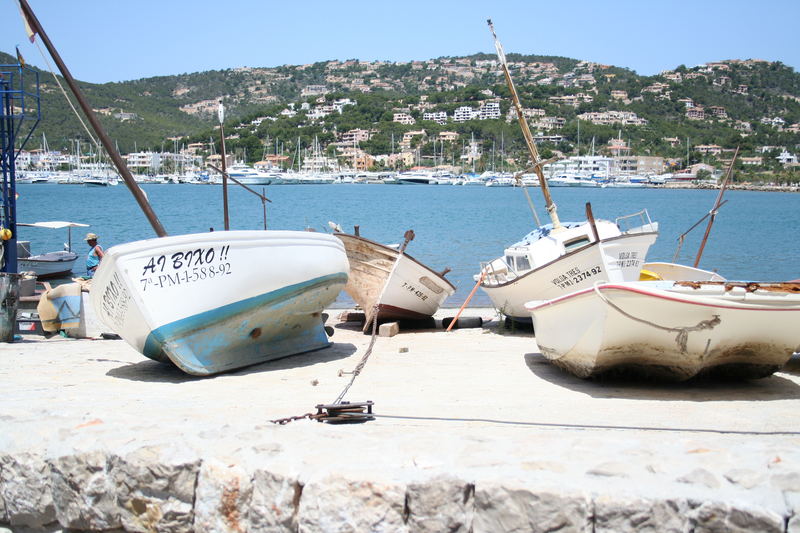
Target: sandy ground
<point x="472" y="402"/>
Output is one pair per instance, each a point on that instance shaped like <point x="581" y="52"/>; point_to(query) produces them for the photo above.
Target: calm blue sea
<point x="755" y="235"/>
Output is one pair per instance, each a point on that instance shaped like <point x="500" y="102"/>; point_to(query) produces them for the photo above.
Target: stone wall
<point x="164" y="489"/>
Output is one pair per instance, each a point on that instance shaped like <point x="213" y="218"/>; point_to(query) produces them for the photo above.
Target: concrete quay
<point x="475" y="431"/>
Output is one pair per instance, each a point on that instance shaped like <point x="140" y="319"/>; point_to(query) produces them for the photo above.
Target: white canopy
<point x="55" y="224"/>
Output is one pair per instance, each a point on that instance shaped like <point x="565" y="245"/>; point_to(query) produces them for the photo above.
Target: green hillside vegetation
<point x="146" y="113"/>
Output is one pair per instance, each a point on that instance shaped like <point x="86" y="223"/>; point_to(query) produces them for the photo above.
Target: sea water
<point x="754" y="236"/>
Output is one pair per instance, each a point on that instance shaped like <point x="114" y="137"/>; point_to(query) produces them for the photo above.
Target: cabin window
<point x="576" y="243"/>
<point x="523" y="263"/>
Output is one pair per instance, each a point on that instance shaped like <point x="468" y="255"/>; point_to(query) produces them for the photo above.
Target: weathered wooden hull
<point x="399" y="286"/>
<point x="673" y="330"/>
<point x="218" y="301"/>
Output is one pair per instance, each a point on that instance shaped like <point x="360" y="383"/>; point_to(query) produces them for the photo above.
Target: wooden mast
<point x="713" y="212"/>
<point x="141" y="199"/>
<point x="526" y="133"/>
<point x="221" y="116"/>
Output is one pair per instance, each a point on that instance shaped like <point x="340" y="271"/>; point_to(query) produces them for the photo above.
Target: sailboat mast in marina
<point x="215" y="301"/>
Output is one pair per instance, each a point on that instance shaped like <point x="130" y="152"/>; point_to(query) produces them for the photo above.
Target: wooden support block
<point x="389" y="329"/>
<point x="350" y="316"/>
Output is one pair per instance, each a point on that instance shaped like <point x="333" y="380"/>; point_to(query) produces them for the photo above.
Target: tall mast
<point x="33" y="22"/>
<point x="526" y="133"/>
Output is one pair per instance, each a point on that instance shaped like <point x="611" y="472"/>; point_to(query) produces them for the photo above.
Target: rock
<point x="389" y="329"/>
<point x="744" y="477"/>
<point x="722" y="517"/>
<point x="155" y="491"/>
<point x="25" y="488"/>
<point x="222" y="497"/>
<point x="274" y="502"/>
<point x="700" y="476"/>
<point x="503" y="508"/>
<point x="338" y="504"/>
<point x="440" y="504"/>
<point x="83" y="492"/>
<point x="615" y="514"/>
<point x="789" y="481"/>
<point x="3" y="513"/>
<point x="610" y="469"/>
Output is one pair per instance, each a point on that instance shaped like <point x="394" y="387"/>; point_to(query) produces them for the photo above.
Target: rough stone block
<point x="3" y="513"/>
<point x="155" y="490"/>
<point x="221" y="499"/>
<point x="389" y="329"/>
<point x="440" y="504"/>
<point x="338" y="504"/>
<point x="83" y="492"/>
<point x="618" y="514"/>
<point x="274" y="503"/>
<point x="721" y="516"/>
<point x="25" y="487"/>
<point x="506" y="508"/>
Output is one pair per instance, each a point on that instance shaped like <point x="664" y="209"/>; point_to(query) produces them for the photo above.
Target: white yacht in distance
<point x="247" y="175"/>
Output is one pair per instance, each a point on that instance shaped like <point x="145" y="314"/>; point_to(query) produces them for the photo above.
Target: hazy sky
<point x="117" y="40"/>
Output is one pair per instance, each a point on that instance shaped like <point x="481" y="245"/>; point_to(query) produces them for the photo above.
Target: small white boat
<point x="388" y="280"/>
<point x="217" y="301"/>
<point x="558" y="258"/>
<point x="671" y="329"/>
<point x="52" y="264"/>
<point x="546" y="264"/>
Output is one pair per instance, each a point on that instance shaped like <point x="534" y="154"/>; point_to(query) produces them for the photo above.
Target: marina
<point x="596" y="383"/>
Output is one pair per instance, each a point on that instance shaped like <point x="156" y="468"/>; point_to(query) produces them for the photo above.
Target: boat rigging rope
<point x="66" y="97"/>
<point x="683" y="333"/>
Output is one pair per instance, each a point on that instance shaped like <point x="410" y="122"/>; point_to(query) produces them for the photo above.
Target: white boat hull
<point x="615" y="259"/>
<point x="52" y="265"/>
<point x="213" y="302"/>
<point x="397" y="285"/>
<point x="675" y="330"/>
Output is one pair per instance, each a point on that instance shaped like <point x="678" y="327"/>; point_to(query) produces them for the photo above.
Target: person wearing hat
<point x="94" y="256"/>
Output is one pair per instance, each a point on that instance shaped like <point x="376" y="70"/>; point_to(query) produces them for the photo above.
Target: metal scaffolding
<point x="20" y="113"/>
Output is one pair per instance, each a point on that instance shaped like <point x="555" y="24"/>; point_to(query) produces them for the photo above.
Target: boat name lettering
<point x="187" y="259"/>
<point x="628" y="259"/>
<point x="419" y="294"/>
<point x="184" y="277"/>
<point x="574" y="276"/>
<point x="115" y="300"/>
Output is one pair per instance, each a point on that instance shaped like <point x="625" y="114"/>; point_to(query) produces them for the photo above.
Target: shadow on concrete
<point x="793" y="366"/>
<point x="155" y="372"/>
<point x="699" y="389"/>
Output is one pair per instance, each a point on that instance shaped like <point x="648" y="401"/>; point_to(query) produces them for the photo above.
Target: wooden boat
<point x="214" y="301"/>
<point x="392" y="282"/>
<point x="558" y="258"/>
<point x="669" y="329"/>
<point x="52" y="264"/>
<point x="222" y="300"/>
<point x="547" y="264"/>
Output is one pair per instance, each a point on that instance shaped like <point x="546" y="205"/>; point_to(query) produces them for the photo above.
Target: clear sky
<point x="117" y="40"/>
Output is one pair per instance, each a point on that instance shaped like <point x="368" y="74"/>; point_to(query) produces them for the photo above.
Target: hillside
<point x="749" y="103"/>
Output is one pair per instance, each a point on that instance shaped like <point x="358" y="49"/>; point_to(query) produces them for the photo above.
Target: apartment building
<point x="440" y="117"/>
<point x="403" y="118"/>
